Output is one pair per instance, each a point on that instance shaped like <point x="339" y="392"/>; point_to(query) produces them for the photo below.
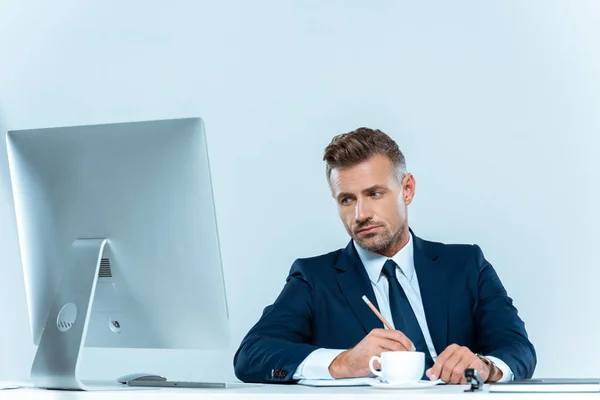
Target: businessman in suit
<point x="444" y="300"/>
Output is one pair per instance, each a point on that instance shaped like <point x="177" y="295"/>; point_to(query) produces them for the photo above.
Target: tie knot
<point x="389" y="269"/>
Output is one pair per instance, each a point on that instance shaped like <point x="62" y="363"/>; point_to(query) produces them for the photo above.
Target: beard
<point x="376" y="241"/>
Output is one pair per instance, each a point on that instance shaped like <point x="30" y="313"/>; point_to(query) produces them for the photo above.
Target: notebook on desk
<point x="556" y="385"/>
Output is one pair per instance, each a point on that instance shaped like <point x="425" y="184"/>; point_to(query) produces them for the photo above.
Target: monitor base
<point x="57" y="358"/>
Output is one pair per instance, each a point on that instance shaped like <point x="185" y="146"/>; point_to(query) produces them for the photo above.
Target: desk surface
<point x="282" y="391"/>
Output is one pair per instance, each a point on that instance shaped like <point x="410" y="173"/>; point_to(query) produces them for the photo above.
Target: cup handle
<point x="371" y="361"/>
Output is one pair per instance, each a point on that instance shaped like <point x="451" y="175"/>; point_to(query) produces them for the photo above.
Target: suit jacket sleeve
<point x="274" y="348"/>
<point x="500" y="331"/>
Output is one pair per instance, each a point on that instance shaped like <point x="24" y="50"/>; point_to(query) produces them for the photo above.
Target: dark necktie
<point x="403" y="314"/>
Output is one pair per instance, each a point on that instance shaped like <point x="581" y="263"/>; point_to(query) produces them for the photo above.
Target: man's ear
<point x="409" y="184"/>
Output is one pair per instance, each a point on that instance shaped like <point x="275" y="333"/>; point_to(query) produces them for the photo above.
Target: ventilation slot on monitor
<point x="64" y="325"/>
<point x="105" y="271"/>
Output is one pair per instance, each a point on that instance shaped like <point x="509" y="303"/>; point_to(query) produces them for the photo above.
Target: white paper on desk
<point x="7" y="387"/>
<point x="548" y="385"/>
<point x="546" y="388"/>
<point x="336" y="382"/>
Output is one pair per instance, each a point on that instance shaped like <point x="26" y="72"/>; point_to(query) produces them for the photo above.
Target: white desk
<point x="286" y="392"/>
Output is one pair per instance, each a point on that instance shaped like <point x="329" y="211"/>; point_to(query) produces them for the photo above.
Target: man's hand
<point x="354" y="362"/>
<point x="451" y="364"/>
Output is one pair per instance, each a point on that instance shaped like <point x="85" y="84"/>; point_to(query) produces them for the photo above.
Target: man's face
<point x="372" y="203"/>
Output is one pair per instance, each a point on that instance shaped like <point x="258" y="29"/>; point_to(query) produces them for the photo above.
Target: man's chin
<point x="373" y="246"/>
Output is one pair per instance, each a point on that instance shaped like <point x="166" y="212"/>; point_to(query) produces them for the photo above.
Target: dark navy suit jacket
<point x="320" y="306"/>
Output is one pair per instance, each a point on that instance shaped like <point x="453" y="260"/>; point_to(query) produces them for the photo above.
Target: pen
<point x="376" y="311"/>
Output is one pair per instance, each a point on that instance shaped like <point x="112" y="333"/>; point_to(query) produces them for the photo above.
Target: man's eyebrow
<point x="367" y="190"/>
<point x="374" y="188"/>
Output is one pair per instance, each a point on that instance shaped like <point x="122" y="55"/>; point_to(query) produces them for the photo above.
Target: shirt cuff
<point x="507" y="374"/>
<point x="316" y="365"/>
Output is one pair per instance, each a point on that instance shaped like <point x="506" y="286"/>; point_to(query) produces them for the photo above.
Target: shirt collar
<point x="373" y="262"/>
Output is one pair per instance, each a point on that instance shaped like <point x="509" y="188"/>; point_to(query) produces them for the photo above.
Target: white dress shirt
<point x="316" y="365"/>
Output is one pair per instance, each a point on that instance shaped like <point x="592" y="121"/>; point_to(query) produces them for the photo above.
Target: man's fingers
<point x="458" y="373"/>
<point x="402" y="338"/>
<point x="377" y="332"/>
<point x="391" y="345"/>
<point x="452" y="363"/>
<point x="436" y="371"/>
<point x="397" y="336"/>
<point x="376" y="365"/>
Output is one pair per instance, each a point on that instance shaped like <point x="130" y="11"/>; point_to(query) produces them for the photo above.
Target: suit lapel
<point x="433" y="285"/>
<point x="354" y="283"/>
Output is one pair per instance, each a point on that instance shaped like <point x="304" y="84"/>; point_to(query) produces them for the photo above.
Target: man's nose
<point x="362" y="211"/>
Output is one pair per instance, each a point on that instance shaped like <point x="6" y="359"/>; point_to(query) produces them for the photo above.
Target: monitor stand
<point x="56" y="361"/>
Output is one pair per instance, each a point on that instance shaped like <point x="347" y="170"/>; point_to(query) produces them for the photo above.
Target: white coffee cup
<point x="399" y="366"/>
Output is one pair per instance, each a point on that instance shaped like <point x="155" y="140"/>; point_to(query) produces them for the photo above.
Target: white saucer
<point x="403" y="385"/>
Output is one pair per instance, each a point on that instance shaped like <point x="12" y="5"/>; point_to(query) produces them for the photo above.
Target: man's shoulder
<point x="453" y="255"/>
<point x="447" y="250"/>
<point x="320" y="260"/>
<point x="318" y="265"/>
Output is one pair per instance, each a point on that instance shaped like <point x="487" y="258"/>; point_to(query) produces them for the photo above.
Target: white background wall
<point x="495" y="104"/>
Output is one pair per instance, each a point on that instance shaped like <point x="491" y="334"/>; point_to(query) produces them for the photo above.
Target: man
<point x="444" y="300"/>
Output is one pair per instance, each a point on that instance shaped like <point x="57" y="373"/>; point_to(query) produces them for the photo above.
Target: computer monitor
<point x="118" y="240"/>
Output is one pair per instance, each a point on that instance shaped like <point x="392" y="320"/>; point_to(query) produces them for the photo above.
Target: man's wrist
<point x="336" y="368"/>
<point x="495" y="373"/>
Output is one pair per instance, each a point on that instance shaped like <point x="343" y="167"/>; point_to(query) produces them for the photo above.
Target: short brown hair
<point x="351" y="148"/>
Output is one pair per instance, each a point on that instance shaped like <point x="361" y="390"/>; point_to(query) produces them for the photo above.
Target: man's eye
<point x="377" y="194"/>
<point x="345" y="201"/>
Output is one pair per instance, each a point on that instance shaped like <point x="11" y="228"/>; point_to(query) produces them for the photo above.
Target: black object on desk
<point x="181" y="384"/>
<point x="473" y="380"/>
<point x="152" y="380"/>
